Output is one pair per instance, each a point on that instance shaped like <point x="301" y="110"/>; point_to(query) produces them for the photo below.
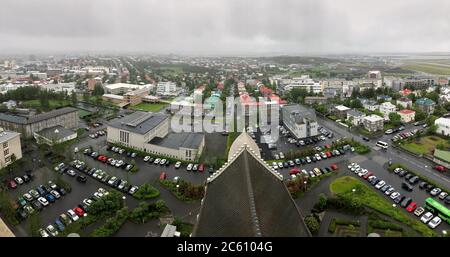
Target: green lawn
<point x="425" y="145"/>
<point x="53" y="103"/>
<point x="429" y="68"/>
<point x="149" y="107"/>
<point x="368" y="197"/>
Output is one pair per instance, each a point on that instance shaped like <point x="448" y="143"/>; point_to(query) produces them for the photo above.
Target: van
<point x="382" y="144"/>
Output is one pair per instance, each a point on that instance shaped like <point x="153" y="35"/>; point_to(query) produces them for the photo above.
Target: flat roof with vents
<point x="139" y="122"/>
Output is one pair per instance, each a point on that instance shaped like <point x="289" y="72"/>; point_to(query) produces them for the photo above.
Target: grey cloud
<point x="225" y="26"/>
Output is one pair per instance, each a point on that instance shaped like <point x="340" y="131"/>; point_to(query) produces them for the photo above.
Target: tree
<point x="420" y="115"/>
<point x="312" y="224"/>
<point x="395" y="118"/>
<point x="34" y="224"/>
<point x="74" y="98"/>
<point x="356" y="104"/>
<point x="98" y="90"/>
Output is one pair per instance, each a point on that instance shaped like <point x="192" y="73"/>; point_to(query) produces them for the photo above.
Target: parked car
<point x="177" y="165"/>
<point x="405" y="203"/>
<point x="435" y="222"/>
<point x="81" y="179"/>
<point x="43" y="201"/>
<point x="435" y="191"/>
<point x="407" y="186"/>
<point x="419" y="211"/>
<point x="380" y="184"/>
<point x="72" y="215"/>
<point x="43" y="233"/>
<point x="443" y="195"/>
<point x="426" y="217"/>
<point x="52" y="230"/>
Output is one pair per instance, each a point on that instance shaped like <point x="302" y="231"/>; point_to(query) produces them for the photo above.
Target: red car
<point x="411" y="207"/>
<point x="102" y="158"/>
<point x="328" y="154"/>
<point x="370" y="173"/>
<point x="12" y="184"/>
<point x="334" y="167"/>
<point x="440" y="168"/>
<point x="78" y="211"/>
<point x="201" y="167"/>
<point x="294" y="171"/>
<point x="162" y="176"/>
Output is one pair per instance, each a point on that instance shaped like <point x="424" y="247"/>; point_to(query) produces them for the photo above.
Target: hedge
<point x="335" y="221"/>
<point x="146" y="191"/>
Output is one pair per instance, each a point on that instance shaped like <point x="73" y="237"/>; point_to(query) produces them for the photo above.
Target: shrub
<point x="112" y="225"/>
<point x="186" y="190"/>
<point x="146" y="191"/>
<point x="312" y="224"/>
<point x="145" y="211"/>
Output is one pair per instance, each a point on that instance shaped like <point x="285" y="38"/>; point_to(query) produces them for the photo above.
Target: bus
<point x="382" y="144"/>
<point x="437" y="209"/>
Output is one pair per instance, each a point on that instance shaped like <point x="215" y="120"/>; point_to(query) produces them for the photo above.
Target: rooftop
<point x="55" y="133"/>
<point x="177" y="140"/>
<point x="139" y="122"/>
<point x="246" y="198"/>
<point x="7" y="135"/>
<point x="424" y="101"/>
<point x="23" y="119"/>
<point x="355" y="113"/>
<point x="342" y="108"/>
<point x="373" y="118"/>
<point x="406" y="111"/>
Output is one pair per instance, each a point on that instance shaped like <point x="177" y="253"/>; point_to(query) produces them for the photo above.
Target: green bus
<point x="437" y="209"/>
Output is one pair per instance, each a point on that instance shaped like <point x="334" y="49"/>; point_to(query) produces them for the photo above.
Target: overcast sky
<point x="225" y="26"/>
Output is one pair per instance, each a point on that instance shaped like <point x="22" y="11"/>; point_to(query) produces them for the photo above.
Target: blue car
<point x="50" y="198"/>
<point x="60" y="225"/>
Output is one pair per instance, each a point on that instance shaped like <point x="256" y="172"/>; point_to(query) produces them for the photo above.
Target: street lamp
<point x="444" y="232"/>
<point x="354" y="190"/>
<point x="304" y="182"/>
<point x="394" y="205"/>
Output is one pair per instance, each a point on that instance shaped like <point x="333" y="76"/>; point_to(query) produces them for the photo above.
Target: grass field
<point x="425" y="145"/>
<point x="171" y="71"/>
<point x="53" y="103"/>
<point x="149" y="107"/>
<point x="431" y="68"/>
<point x="361" y="193"/>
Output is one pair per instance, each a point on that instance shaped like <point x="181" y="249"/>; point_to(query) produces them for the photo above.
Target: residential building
<point x="122" y="88"/>
<point x="54" y="135"/>
<point x="149" y="132"/>
<point x="426" y="105"/>
<point x="407" y="116"/>
<point x="443" y="126"/>
<point x="370" y="105"/>
<point x="10" y="145"/>
<point x="69" y="88"/>
<point x="355" y="117"/>
<point x="373" y="123"/>
<point x="28" y="123"/>
<point x="316" y="100"/>
<point x="405" y="102"/>
<point x="300" y="121"/>
<point x="387" y="108"/>
<point x="115" y="99"/>
<point x="374" y="74"/>
<point x="385" y="98"/>
<point x="167" y="89"/>
<point x="135" y="97"/>
<point x="257" y="195"/>
<point x="304" y="82"/>
<point x="340" y="111"/>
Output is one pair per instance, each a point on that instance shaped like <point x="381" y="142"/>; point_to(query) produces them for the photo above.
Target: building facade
<point x="407" y="116"/>
<point x="443" y="126"/>
<point x="300" y="121"/>
<point x="10" y="145"/>
<point x="426" y="105"/>
<point x="373" y="123"/>
<point x="27" y="125"/>
<point x="387" y="108"/>
<point x="355" y="117"/>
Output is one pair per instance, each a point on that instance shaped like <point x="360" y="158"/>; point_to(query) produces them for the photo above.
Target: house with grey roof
<point x="54" y="135"/>
<point x="355" y="117"/>
<point x="28" y="123"/>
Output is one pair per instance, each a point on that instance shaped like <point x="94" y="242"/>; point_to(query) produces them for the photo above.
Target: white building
<point x="304" y="82"/>
<point x="167" y="89"/>
<point x="373" y="123"/>
<point x="443" y="126"/>
<point x="122" y="88"/>
<point x="405" y="102"/>
<point x="300" y="121"/>
<point x="9" y="145"/>
<point x="355" y="117"/>
<point x="387" y="108"/>
<point x="60" y="87"/>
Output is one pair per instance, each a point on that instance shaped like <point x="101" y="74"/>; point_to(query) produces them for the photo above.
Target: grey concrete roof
<point x="177" y="140"/>
<point x="51" y="134"/>
<point x="302" y="111"/>
<point x="36" y="118"/>
<point x="138" y="122"/>
<point x="7" y="135"/>
<point x="247" y="200"/>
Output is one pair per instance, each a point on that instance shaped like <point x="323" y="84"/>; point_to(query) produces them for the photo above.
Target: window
<point x="5" y="145"/>
<point x="6" y="152"/>
<point x="8" y="159"/>
<point x="124" y="137"/>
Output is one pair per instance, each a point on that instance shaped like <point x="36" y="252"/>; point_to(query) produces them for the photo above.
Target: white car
<point x="52" y="230"/>
<point x="163" y="161"/>
<point x="354" y="167"/>
<point x="71" y="173"/>
<point x="43" y="233"/>
<point x="443" y="195"/>
<point x="394" y="195"/>
<point x="119" y="163"/>
<point x="434" y="222"/>
<point x="88" y="202"/>
<point x="55" y="194"/>
<point x="318" y="157"/>
<point x="157" y="161"/>
<point x="43" y="201"/>
<point x="419" y="211"/>
<point x="281" y="155"/>
<point x="350" y="166"/>
<point x="146" y="158"/>
<point x="280" y="165"/>
<point x="189" y="167"/>
<point x="133" y="190"/>
<point x="18" y="180"/>
<point x="277" y="157"/>
<point x="435" y="191"/>
<point x="103" y="191"/>
<point x="380" y="184"/>
<point x="98" y="195"/>
<point x="112" y="181"/>
<point x="177" y="165"/>
<point x="389" y="191"/>
<point x="312" y="174"/>
<point x="72" y="215"/>
<point x="274" y="165"/>
<point x="363" y="172"/>
<point x="426" y="217"/>
<point x="28" y="197"/>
